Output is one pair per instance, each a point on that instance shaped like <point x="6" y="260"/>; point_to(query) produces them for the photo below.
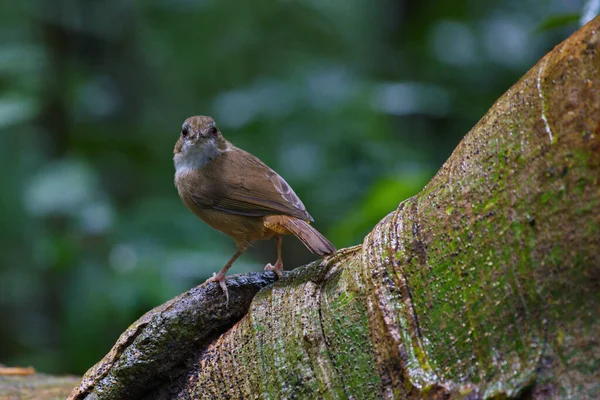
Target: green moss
<point x="346" y="326"/>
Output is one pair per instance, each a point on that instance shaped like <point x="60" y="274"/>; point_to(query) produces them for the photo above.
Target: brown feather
<point x="238" y="183"/>
<point x="309" y="236"/>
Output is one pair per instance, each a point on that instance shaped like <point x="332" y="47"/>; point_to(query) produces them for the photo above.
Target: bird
<point x="236" y="193"/>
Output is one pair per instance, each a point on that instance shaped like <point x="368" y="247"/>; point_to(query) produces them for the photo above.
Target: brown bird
<point x="239" y="195"/>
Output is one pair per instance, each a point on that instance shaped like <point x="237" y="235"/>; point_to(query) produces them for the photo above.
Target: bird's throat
<point x="196" y="157"/>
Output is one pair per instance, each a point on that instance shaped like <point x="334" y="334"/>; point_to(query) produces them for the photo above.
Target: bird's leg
<point x="220" y="277"/>
<point x="278" y="267"/>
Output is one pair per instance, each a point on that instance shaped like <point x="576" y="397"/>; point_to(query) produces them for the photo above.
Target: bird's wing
<point x="242" y="184"/>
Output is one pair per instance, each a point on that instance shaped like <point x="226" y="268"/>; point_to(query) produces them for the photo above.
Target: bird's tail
<point x="309" y="236"/>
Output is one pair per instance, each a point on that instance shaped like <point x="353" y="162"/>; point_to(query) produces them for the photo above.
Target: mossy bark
<point x="484" y="285"/>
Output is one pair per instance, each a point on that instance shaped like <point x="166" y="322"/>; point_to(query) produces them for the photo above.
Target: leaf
<point x="557" y="21"/>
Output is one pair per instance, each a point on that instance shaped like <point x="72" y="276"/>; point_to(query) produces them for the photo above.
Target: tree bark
<point x="485" y="284"/>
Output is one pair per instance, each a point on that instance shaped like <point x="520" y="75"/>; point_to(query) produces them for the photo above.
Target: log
<point x="35" y="386"/>
<point x="485" y="284"/>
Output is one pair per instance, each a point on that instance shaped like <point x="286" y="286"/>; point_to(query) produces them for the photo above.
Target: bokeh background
<point x="356" y="103"/>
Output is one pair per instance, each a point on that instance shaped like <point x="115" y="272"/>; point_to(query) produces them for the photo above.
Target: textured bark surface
<point x="154" y="350"/>
<point x="485" y="284"/>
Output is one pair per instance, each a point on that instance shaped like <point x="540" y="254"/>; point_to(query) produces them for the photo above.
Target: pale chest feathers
<point x="192" y="158"/>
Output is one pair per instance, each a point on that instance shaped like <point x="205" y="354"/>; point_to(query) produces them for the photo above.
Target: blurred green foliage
<point x="356" y="103"/>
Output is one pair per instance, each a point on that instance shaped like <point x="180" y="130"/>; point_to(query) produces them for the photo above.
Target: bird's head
<point x="200" y="141"/>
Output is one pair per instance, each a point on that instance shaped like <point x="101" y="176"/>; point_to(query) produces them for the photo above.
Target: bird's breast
<point x="243" y="229"/>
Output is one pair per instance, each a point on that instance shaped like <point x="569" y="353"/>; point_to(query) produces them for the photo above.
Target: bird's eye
<point x="214" y="130"/>
<point x="185" y="131"/>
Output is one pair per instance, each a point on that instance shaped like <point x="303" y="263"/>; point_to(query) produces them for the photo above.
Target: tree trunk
<point x="485" y="284"/>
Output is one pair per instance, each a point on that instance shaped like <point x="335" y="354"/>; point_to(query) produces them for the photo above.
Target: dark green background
<point x="356" y="103"/>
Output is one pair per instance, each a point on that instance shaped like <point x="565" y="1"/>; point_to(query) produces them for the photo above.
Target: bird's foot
<point x="277" y="268"/>
<point x="220" y="279"/>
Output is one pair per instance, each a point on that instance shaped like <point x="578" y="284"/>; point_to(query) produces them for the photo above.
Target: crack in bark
<point x="378" y="319"/>
<point x="400" y="279"/>
<point x="329" y="273"/>
<point x="105" y="369"/>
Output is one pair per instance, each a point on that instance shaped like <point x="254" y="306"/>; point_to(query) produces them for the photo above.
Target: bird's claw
<point x="277" y="268"/>
<point x="220" y="279"/>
